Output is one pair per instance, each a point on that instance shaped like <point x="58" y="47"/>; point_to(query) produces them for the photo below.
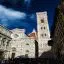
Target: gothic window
<point x="42" y="35"/>
<point x="44" y="27"/>
<point x="42" y="21"/>
<point x="45" y="34"/>
<point x="41" y="28"/>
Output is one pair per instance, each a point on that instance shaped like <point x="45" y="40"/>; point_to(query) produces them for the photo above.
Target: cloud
<point x="15" y="19"/>
<point x="11" y="14"/>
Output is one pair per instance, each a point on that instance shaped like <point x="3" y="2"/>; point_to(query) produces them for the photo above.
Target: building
<point x="21" y="44"/>
<point x="43" y="32"/>
<point x="5" y="38"/>
<point x="26" y="46"/>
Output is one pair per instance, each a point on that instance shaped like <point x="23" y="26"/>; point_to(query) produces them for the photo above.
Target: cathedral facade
<point x="21" y="44"/>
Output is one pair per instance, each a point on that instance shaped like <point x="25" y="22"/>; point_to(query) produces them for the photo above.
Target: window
<point x="42" y="21"/>
<point x="27" y="44"/>
<point x="45" y="34"/>
<point x="27" y="50"/>
<point x="44" y="27"/>
<point x="41" y="28"/>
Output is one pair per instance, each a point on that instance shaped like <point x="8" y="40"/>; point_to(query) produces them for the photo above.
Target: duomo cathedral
<point x="15" y="43"/>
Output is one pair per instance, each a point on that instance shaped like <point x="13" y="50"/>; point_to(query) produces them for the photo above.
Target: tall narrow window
<point x="41" y="28"/>
<point x="42" y="21"/>
<point x="45" y="34"/>
<point x="44" y="27"/>
<point x="42" y="35"/>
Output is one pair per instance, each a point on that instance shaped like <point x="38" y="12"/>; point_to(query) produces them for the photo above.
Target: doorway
<point x="1" y="55"/>
<point x="13" y="55"/>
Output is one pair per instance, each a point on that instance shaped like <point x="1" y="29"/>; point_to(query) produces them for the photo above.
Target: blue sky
<point x="22" y="13"/>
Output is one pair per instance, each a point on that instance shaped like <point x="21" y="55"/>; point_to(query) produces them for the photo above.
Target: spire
<point x="34" y="31"/>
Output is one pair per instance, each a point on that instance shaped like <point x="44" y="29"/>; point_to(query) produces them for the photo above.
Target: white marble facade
<point x="24" y="46"/>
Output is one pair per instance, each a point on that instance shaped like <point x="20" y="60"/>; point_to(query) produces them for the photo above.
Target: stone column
<point x="6" y="43"/>
<point x="1" y="42"/>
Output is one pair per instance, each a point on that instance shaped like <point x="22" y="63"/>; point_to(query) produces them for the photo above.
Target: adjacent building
<point x="5" y="45"/>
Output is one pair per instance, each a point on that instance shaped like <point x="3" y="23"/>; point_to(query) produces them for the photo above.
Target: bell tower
<point x="43" y="32"/>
